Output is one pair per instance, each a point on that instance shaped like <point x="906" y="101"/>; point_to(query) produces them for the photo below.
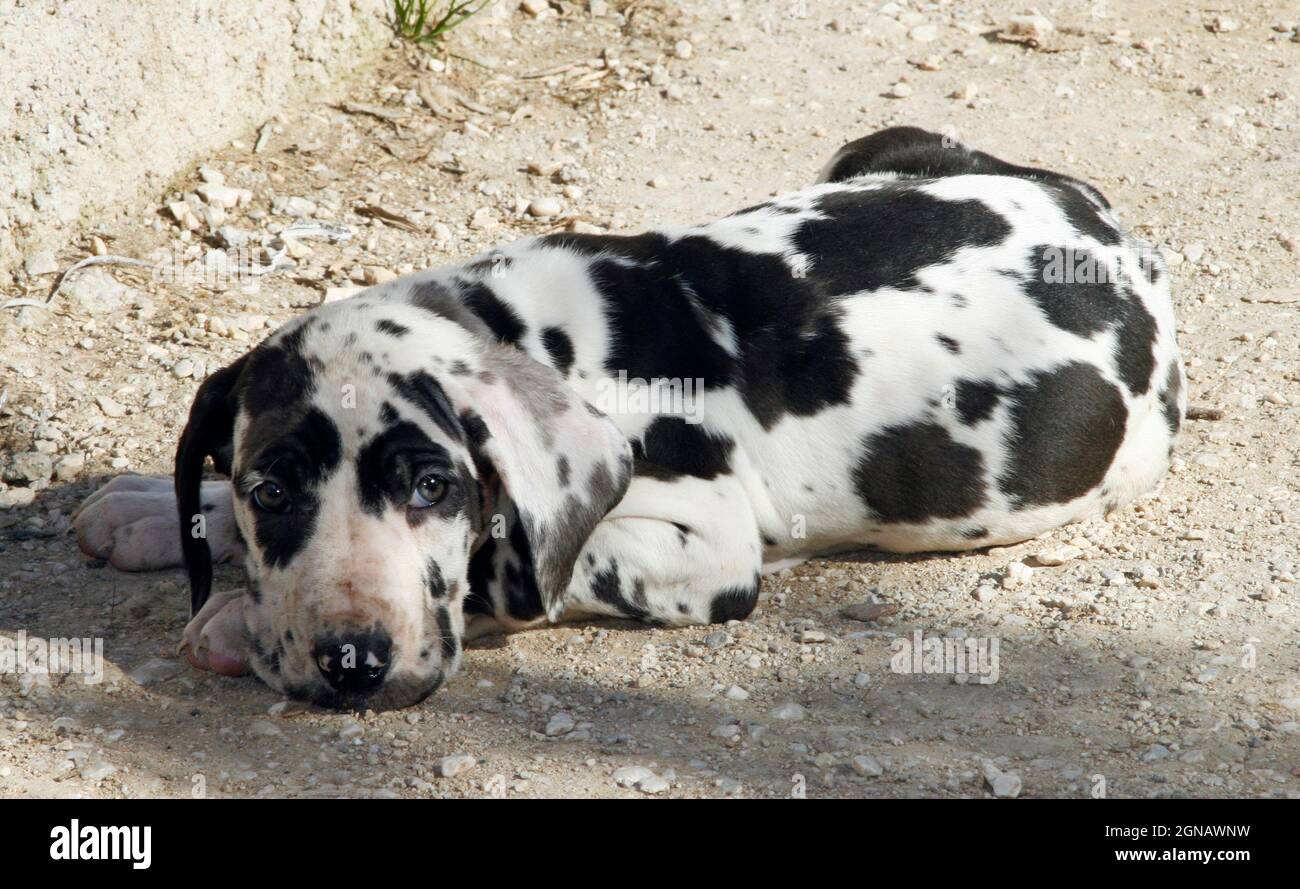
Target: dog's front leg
<point x="675" y="552"/>
<point x="132" y="521"/>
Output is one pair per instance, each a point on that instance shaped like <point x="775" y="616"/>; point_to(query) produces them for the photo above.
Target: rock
<point x="867" y="766"/>
<point x="97" y="771"/>
<point x="965" y="93"/>
<point x="42" y="262"/>
<point x="184" y="215"/>
<point x="535" y="8"/>
<point x="1194" y="252"/>
<point x="736" y="693"/>
<point x="640" y="778"/>
<point x="1059" y="556"/>
<point x="98" y="292"/>
<point x="683" y="49"/>
<point x="29" y="466"/>
<point x="789" y="711"/>
<point x="1005" y="785"/>
<point x="1221" y="24"/>
<point x="334" y="294"/>
<point x="810" y="637"/>
<point x="1018" y="574"/>
<point x="1035" y="26"/>
<point x="15" y="497"/>
<point x="545" y="208"/>
<point x="454" y="765"/>
<point x="1155" y="753"/>
<point x="156" y="670"/>
<point x="297" y="207"/>
<point x="869" y="611"/>
<point x="375" y="274"/>
<point x="899" y="90"/>
<point x="351" y="730"/>
<point x="69" y="467"/>
<point x="560" y="723"/>
<point x="924" y="34"/>
<point x="224" y="197"/>
<point x="183" y="369"/>
<point x="484" y="219"/>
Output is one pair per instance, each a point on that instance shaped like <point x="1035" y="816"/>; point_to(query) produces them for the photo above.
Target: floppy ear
<point x="562" y="463"/>
<point x="208" y="432"/>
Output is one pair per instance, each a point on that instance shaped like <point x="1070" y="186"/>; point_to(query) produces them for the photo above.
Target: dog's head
<point x="367" y="444"/>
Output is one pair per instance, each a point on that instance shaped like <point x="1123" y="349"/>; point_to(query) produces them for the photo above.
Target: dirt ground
<point x="1158" y="658"/>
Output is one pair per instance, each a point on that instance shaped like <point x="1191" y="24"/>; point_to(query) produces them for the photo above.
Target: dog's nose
<point x="354" y="663"/>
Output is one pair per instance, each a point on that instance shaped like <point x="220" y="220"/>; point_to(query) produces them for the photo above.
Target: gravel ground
<point x="1150" y="654"/>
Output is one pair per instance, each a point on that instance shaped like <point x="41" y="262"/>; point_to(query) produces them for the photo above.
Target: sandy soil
<point x="1158" y="659"/>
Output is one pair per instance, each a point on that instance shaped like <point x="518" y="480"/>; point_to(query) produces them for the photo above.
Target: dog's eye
<point x="429" y="491"/>
<point x="270" y="497"/>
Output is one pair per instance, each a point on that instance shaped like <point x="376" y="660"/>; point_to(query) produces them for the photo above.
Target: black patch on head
<point x="508" y="562"/>
<point x="390" y="464"/>
<point x="434" y="581"/>
<point x="562" y="470"/>
<point x="948" y="343"/>
<point x="423" y="391"/>
<point x="1169" y="398"/>
<point x="976" y="400"/>
<point x="559" y="347"/>
<point x="1062" y="282"/>
<point x="916" y="472"/>
<point x="671" y="448"/>
<point x="1065" y="427"/>
<point x="299" y="461"/>
<point x="476" y="431"/>
<point x="883" y="237"/>
<point x="460" y="368"/>
<point x="387" y="414"/>
<point x="278" y="376"/>
<point x="734" y="603"/>
<point x="392" y="328"/>
<point x="447" y="638"/>
<point x="480" y="299"/>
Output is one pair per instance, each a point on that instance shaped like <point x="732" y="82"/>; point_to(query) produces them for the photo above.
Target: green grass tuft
<point x="428" y="21"/>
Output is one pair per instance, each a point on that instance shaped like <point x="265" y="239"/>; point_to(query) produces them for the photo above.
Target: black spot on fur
<point x="948" y="343"/>
<point x="914" y="152"/>
<point x="392" y="328"/>
<point x="976" y="400"/>
<point x="499" y="317"/>
<point x="974" y="533"/>
<point x="734" y="603"/>
<point x="446" y="636"/>
<point x="1066" y="425"/>
<point x="423" y="391"/>
<point x="562" y="471"/>
<point x="1169" y="399"/>
<point x="1080" y="294"/>
<point x="867" y="240"/>
<point x="916" y="472"/>
<point x="559" y="347"/>
<point x="671" y="448"/>
<point x="607" y="587"/>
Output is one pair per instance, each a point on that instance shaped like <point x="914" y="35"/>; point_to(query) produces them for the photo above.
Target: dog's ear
<point x="562" y="463"/>
<point x="208" y="432"/>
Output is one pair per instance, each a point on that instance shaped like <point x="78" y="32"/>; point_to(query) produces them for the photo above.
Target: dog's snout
<point x="354" y="663"/>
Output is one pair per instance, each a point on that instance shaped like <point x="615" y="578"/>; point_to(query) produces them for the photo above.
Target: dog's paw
<point x="132" y="522"/>
<point x="216" y="638"/>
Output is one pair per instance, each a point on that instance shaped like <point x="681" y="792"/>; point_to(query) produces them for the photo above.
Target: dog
<point x="928" y="350"/>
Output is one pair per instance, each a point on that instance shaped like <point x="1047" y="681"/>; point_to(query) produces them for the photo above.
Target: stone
<point x="1005" y="785"/>
<point x="683" y="49"/>
<point x="789" y="711"/>
<point x="1058" y="556"/>
<point x="867" y="766"/>
<point x="640" y="778"/>
<point x="868" y="612"/>
<point x="97" y="771"/>
<point x="899" y="90"/>
<point x="68" y="467"/>
<point x="42" y="262"/>
<point x="29" y="466"/>
<point x="545" y="207"/>
<point x="455" y="764"/>
<point x="156" y="670"/>
<point x="560" y="723"/>
<point x="924" y="33"/>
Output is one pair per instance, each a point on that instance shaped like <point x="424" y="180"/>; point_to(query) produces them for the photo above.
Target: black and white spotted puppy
<point x="930" y="349"/>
